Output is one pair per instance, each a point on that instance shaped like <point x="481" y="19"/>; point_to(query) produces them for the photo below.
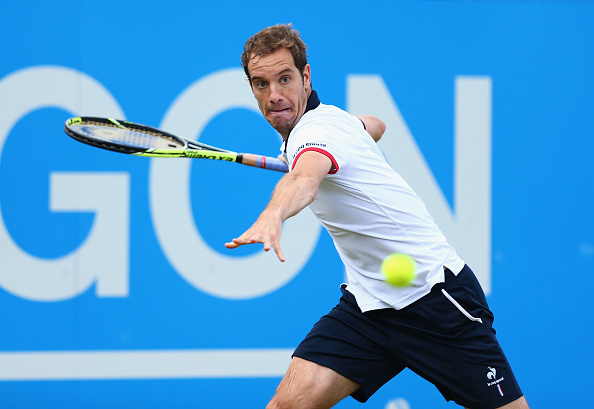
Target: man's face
<point x="280" y="89"/>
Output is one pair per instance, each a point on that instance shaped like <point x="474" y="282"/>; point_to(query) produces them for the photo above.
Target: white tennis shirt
<point x="369" y="210"/>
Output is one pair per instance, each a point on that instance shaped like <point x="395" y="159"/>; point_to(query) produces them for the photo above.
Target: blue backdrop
<point x="115" y="287"/>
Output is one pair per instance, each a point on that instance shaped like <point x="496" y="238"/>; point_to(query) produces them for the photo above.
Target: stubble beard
<point x="283" y="125"/>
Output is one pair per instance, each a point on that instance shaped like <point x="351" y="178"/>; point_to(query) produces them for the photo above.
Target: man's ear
<point x="307" y="77"/>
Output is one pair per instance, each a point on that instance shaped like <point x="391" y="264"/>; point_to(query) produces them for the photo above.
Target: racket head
<point x="121" y="136"/>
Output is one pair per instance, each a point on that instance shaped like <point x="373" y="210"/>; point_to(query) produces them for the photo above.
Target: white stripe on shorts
<point x="458" y="306"/>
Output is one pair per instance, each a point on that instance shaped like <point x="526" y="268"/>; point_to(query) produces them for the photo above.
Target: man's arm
<point x="374" y="126"/>
<point x="293" y="193"/>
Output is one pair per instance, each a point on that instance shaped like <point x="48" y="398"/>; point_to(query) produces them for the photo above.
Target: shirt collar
<point x="312" y="102"/>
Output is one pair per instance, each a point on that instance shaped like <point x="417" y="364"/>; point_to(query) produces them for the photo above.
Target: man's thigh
<point x="310" y="385"/>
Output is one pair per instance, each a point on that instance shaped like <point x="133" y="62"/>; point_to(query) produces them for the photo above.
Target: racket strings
<point x="143" y="139"/>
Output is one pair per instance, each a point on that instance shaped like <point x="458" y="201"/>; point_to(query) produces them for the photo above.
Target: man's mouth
<point x="276" y="111"/>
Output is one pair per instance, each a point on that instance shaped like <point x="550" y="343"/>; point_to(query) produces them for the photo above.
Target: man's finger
<point x="279" y="252"/>
<point x="232" y="245"/>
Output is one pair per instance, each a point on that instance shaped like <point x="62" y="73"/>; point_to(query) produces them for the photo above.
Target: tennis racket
<point x="141" y="140"/>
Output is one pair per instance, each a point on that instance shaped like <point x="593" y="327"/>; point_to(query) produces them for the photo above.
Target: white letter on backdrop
<point x="468" y="227"/>
<point x="216" y="274"/>
<point x="103" y="256"/>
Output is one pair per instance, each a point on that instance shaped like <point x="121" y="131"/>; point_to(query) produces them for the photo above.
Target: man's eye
<point x="285" y="80"/>
<point x="260" y="84"/>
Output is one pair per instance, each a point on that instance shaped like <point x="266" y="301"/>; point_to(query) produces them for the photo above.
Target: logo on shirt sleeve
<point x="308" y="145"/>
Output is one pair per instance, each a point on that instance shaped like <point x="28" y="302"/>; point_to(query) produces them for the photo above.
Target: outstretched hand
<point x="265" y="230"/>
<point x="293" y="192"/>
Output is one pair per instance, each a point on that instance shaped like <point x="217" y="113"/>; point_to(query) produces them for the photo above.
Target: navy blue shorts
<point x="446" y="337"/>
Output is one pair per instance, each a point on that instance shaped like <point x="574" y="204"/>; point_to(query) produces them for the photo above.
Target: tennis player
<point x="440" y="327"/>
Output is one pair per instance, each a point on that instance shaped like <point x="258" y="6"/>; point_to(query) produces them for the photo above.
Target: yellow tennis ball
<point x="399" y="269"/>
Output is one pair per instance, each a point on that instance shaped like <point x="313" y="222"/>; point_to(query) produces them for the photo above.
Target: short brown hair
<point x="270" y="40"/>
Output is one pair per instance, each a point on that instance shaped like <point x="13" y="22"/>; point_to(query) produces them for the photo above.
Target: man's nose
<point x="275" y="93"/>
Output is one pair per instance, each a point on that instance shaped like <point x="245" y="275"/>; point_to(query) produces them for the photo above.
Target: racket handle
<point x="265" y="162"/>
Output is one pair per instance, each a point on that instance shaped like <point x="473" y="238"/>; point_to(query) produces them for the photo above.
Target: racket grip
<point x="275" y="164"/>
<point x="265" y="162"/>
